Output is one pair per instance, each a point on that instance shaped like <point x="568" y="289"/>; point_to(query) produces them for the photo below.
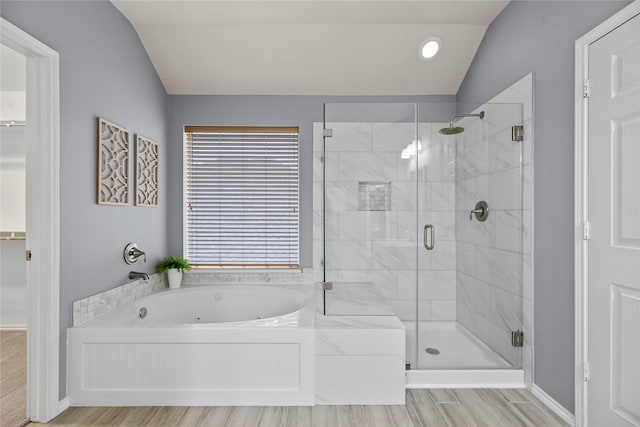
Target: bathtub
<point x="204" y="345"/>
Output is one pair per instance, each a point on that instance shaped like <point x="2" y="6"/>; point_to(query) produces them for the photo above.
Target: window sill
<point x="235" y="269"/>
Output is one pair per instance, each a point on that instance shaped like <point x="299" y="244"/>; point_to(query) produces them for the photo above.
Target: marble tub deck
<point x="351" y="300"/>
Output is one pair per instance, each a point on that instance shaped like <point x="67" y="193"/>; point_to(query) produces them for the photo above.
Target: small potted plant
<point x="174" y="266"/>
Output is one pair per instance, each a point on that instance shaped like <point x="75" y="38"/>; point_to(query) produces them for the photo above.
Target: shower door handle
<point x="429" y="237"/>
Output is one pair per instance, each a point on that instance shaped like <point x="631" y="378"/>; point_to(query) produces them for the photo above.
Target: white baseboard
<point x="63" y="405"/>
<point x="551" y="403"/>
<point x="13" y="327"/>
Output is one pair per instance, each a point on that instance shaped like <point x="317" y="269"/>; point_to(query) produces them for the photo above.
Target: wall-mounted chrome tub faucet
<point x="134" y="275"/>
<point x="132" y="253"/>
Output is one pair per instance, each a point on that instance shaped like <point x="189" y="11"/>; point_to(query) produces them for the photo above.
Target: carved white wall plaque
<point x="147" y="160"/>
<point x="113" y="164"/>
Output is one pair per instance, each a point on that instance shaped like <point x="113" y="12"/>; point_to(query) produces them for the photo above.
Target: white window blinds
<point x="241" y="196"/>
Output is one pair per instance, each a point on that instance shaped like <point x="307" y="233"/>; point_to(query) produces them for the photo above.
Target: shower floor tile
<point x="455" y="348"/>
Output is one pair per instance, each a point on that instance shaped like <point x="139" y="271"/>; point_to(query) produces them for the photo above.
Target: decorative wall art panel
<point x="113" y="164"/>
<point x="147" y="161"/>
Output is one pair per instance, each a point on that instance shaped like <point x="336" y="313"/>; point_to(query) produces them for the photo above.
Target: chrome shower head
<point x="451" y="130"/>
<point x="454" y="130"/>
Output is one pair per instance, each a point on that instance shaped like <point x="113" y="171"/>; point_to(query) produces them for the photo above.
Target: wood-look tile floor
<point x="13" y="378"/>
<point x="432" y="408"/>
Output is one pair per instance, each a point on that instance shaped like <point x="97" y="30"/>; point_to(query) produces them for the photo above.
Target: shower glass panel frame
<point x="360" y="218"/>
<point x="386" y="173"/>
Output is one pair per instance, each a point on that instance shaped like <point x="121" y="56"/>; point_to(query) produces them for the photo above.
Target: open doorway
<point x="42" y="221"/>
<point x="13" y="231"/>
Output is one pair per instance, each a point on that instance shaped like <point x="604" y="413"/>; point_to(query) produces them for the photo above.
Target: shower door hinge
<point x="586" y="89"/>
<point x="27" y="255"/>
<point x="586" y="374"/>
<point x="327" y="133"/>
<point x="586" y="232"/>
<point x="327" y="286"/>
<point x="517" y="133"/>
<point x="517" y="338"/>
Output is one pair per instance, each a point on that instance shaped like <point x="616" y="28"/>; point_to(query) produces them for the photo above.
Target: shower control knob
<point x="481" y="211"/>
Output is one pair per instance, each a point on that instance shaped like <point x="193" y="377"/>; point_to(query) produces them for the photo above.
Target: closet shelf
<point x="13" y="235"/>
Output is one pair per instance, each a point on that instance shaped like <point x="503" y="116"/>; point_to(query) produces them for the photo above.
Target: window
<point x="241" y="189"/>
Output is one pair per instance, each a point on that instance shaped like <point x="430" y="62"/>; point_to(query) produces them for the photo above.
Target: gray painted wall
<point x="299" y="111"/>
<point x="13" y="267"/>
<point x="539" y="36"/>
<point x="105" y="72"/>
<point x="13" y="283"/>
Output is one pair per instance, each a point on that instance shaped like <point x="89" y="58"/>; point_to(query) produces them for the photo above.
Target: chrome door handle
<point x="429" y="237"/>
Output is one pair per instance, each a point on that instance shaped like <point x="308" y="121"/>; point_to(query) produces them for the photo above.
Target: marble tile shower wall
<point x="494" y="257"/>
<point x="378" y="243"/>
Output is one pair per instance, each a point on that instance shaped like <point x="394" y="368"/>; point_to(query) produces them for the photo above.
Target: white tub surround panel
<point x="181" y="350"/>
<point x="195" y="366"/>
<point x="359" y="360"/>
<point x="172" y="358"/>
<point x="89" y="308"/>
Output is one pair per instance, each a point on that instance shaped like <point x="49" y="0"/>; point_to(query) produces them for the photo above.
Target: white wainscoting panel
<point x="187" y="366"/>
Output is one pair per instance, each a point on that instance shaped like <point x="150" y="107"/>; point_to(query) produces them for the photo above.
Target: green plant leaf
<point x="179" y="263"/>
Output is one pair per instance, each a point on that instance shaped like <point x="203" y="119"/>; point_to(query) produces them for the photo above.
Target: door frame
<point x="43" y="221"/>
<point x="581" y="191"/>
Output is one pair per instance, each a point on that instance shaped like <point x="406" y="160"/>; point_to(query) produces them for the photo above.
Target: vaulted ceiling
<point x="301" y="47"/>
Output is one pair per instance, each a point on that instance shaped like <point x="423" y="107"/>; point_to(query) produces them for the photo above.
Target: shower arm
<point x="459" y="116"/>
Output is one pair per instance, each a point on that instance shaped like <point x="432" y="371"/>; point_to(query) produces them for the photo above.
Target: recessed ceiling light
<point x="430" y="47"/>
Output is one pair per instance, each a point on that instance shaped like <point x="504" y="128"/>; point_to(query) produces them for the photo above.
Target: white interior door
<point x="614" y="217"/>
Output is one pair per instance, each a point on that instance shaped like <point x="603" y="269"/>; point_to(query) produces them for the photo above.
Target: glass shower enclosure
<point x="418" y="214"/>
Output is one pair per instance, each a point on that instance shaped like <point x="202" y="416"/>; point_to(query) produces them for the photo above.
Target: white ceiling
<point x="301" y="47"/>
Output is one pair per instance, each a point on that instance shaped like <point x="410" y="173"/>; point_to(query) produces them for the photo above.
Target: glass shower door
<point x="369" y="247"/>
<point x="470" y="284"/>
